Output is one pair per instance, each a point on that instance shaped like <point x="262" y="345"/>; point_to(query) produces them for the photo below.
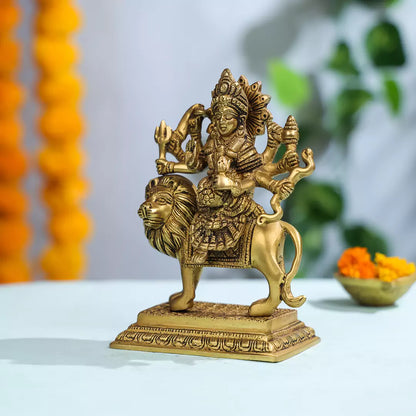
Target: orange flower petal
<point x="61" y="196"/>
<point x="63" y="262"/>
<point x="61" y="124"/>
<point x="13" y="164"/>
<point x="64" y="88"/>
<point x="70" y="227"/>
<point x="14" y="270"/>
<point x="54" y="55"/>
<point x="14" y="236"/>
<point x="12" y="201"/>
<point x="11" y="96"/>
<point x="60" y="163"/>
<point x="10" y="132"/>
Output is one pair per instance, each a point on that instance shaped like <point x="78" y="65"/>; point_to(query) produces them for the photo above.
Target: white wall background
<point x="144" y="61"/>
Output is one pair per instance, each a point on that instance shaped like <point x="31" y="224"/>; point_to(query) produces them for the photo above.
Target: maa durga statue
<point x="218" y="224"/>
<point x="222" y="216"/>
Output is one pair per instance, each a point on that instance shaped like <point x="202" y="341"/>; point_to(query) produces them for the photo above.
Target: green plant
<point x="317" y="205"/>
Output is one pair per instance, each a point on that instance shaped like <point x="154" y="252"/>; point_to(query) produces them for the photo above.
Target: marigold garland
<point x="61" y="125"/>
<point x="356" y="262"/>
<point x="14" y="230"/>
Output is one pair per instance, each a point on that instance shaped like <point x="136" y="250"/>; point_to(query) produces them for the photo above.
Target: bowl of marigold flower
<point x="374" y="283"/>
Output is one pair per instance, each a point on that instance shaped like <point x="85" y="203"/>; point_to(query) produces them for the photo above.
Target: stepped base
<point x="218" y="330"/>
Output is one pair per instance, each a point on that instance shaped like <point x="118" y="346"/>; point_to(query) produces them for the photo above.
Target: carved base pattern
<point x="272" y="339"/>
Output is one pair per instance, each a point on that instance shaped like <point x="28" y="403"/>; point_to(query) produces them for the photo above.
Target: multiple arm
<point x="191" y="160"/>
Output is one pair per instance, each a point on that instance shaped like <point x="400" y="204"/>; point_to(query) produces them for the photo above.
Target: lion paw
<point x="262" y="307"/>
<point x="179" y="302"/>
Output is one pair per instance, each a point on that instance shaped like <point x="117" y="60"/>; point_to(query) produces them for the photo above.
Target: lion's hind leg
<point x="274" y="275"/>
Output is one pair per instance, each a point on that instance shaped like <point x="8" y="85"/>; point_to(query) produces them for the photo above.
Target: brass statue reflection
<point x="219" y="224"/>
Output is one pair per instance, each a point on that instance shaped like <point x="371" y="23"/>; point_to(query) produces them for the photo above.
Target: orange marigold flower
<point x="64" y="195"/>
<point x="60" y="163"/>
<point x="64" y="88"/>
<point x="10" y="132"/>
<point x="54" y="55"/>
<point x="59" y="18"/>
<point x="61" y="124"/>
<point x="391" y="268"/>
<point x="49" y="3"/>
<point x="63" y="262"/>
<point x="14" y="269"/>
<point x="70" y="226"/>
<point x="356" y="262"/>
<point x="9" y="16"/>
<point x="14" y="236"/>
<point x="12" y="200"/>
<point x="13" y="164"/>
<point x="9" y="54"/>
<point x="11" y="96"/>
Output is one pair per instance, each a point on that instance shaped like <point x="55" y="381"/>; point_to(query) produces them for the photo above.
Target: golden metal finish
<point x="375" y="292"/>
<point x="218" y="223"/>
<point x="218" y="330"/>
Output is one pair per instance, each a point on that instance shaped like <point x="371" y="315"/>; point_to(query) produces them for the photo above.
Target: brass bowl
<point x="375" y="292"/>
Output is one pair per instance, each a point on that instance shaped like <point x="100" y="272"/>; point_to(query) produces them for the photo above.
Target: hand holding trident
<point x="163" y="134"/>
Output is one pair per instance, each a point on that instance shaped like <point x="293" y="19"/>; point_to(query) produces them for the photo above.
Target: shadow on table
<point x="346" y="305"/>
<point x="63" y="351"/>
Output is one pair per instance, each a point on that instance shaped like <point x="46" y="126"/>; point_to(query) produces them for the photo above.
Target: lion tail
<point x="286" y="291"/>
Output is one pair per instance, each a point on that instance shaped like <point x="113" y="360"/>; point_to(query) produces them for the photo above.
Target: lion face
<point x="167" y="212"/>
<point x="156" y="210"/>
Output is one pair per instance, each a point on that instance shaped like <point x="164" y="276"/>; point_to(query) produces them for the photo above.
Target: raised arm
<point x="190" y="161"/>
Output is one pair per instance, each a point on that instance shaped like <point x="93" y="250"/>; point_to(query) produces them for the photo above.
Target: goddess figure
<point x="226" y="208"/>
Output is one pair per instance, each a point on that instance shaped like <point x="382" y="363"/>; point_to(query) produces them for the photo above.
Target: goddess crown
<point x="229" y="92"/>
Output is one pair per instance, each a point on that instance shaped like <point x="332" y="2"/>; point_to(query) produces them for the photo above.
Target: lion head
<point x="167" y="212"/>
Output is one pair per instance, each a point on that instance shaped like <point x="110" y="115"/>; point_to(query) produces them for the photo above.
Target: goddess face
<point x="225" y="120"/>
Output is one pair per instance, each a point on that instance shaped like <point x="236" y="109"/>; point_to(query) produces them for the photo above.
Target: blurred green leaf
<point x="314" y="203"/>
<point x="393" y="95"/>
<point x="292" y="89"/>
<point x="341" y="60"/>
<point x="280" y="153"/>
<point x="377" y="3"/>
<point x="390" y="3"/>
<point x="363" y="236"/>
<point x="313" y="238"/>
<point x="345" y="109"/>
<point x="384" y="45"/>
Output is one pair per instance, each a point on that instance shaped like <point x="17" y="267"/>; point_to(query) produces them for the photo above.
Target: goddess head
<point x="229" y="105"/>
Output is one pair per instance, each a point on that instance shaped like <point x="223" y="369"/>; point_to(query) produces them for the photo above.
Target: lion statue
<point x="167" y="214"/>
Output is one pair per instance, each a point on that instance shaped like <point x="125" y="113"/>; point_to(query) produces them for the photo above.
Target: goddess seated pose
<point x="225" y="205"/>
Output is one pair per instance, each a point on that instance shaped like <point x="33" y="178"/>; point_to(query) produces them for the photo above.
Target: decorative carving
<point x="251" y="338"/>
<point x="219" y="224"/>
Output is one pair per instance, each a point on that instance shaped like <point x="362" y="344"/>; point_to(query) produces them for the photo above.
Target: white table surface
<point x="55" y="360"/>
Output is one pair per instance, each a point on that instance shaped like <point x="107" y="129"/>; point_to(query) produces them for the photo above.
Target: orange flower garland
<point x="14" y="230"/>
<point x="61" y="125"/>
<point x="356" y="262"/>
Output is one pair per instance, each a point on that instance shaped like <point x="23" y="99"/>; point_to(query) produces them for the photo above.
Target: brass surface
<point x="218" y="223"/>
<point x="218" y="330"/>
<point x="375" y="292"/>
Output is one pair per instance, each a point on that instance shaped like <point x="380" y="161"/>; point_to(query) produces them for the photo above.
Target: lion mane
<point x="169" y="238"/>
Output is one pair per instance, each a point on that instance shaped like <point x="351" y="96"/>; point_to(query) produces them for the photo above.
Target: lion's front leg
<point x="184" y="300"/>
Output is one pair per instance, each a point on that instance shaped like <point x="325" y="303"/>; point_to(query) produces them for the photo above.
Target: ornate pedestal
<point x="218" y="330"/>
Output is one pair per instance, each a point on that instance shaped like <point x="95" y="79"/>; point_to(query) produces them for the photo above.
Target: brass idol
<point x="218" y="224"/>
